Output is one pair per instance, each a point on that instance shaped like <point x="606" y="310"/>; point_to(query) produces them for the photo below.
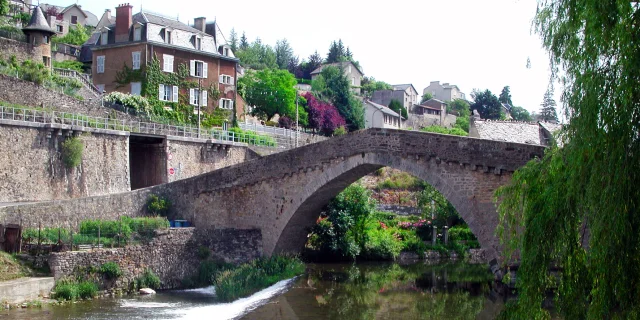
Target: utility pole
<point x="199" y="103"/>
<point x="297" y="119"/>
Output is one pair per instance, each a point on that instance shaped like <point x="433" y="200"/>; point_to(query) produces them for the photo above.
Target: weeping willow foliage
<point x="577" y="208"/>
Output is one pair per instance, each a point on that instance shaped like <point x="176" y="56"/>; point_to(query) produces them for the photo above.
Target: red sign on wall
<point x="172" y="171"/>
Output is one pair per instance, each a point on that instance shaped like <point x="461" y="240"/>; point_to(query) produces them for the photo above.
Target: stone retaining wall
<point x="401" y="210"/>
<point x="172" y="255"/>
<point x="21" y="50"/>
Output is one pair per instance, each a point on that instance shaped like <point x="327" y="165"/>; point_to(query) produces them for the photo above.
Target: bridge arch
<point x="467" y="190"/>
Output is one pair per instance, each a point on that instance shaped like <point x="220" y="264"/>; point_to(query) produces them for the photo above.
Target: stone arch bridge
<point x="282" y="194"/>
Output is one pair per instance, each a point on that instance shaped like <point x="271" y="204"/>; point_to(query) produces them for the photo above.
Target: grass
<point x="11" y="268"/>
<point x="73" y="290"/>
<point x="251" y="277"/>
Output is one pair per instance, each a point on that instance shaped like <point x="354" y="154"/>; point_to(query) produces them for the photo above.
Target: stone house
<point x="18" y="6"/>
<point x="70" y="16"/>
<point x="38" y="37"/>
<point x="444" y="92"/>
<point x="379" y="116"/>
<point x="351" y="71"/>
<point x="135" y="41"/>
<point x="429" y="113"/>
<point x="404" y="93"/>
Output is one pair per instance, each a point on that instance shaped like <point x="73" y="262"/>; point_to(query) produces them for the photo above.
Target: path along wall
<point x="172" y="255"/>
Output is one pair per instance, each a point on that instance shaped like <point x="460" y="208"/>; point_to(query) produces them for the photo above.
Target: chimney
<point x="200" y="23"/>
<point x="107" y="14"/>
<point x="123" y="22"/>
<point x="52" y="22"/>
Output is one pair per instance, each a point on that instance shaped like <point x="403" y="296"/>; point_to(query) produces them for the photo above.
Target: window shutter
<point x="205" y="70"/>
<point x="192" y="68"/>
<point x="191" y="97"/>
<point x="164" y="62"/>
<point x="175" y="93"/>
<point x="170" y="63"/>
<point x="204" y="98"/>
<point x="220" y="103"/>
<point x="230" y="104"/>
<point x="232" y="82"/>
<point x="161" y="92"/>
<point x="220" y="79"/>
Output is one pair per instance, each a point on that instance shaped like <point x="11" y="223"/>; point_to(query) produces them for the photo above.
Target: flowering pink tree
<point x="323" y="116"/>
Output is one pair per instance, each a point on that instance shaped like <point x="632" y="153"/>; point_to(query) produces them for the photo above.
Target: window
<point x="46" y="61"/>
<point x="100" y="65"/>
<point x="353" y="81"/>
<point x="226" y="104"/>
<point x="198" y="69"/>
<point x="167" y="63"/>
<point x="198" y="43"/>
<point x="59" y="28"/>
<point x="349" y="68"/>
<point x="226" y="52"/>
<point x="168" y="93"/>
<point x="104" y="37"/>
<point x="167" y="37"/>
<point x="137" y="33"/>
<point x="74" y="19"/>
<point x="100" y="88"/>
<point x="136" y="88"/>
<point x="225" y="79"/>
<point x="197" y="96"/>
<point x="136" y="60"/>
<point x="45" y="39"/>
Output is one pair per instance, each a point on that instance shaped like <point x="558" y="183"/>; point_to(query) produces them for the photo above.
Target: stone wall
<point x="21" y="50"/>
<point x="191" y="158"/>
<point x="172" y="255"/>
<point x="32" y="168"/>
<point x="418" y="121"/>
<point x="29" y="94"/>
<point x="401" y="210"/>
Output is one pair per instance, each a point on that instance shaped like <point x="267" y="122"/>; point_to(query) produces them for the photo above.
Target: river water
<point x="326" y="291"/>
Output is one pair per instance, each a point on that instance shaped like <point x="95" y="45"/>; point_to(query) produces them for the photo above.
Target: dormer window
<point x="137" y="33"/>
<point x="104" y="37"/>
<point x="166" y="33"/>
<point x="226" y="51"/>
<point x="196" y="41"/>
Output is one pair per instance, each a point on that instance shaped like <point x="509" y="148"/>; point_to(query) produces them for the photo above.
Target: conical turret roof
<point x="38" y="22"/>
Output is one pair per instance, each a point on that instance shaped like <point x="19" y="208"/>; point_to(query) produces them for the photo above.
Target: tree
<point x="548" y="107"/>
<point x="295" y="67"/>
<point x="426" y="97"/>
<point x="487" y="104"/>
<point x="578" y="207"/>
<point x="397" y="106"/>
<point x="370" y="85"/>
<point x="323" y="116"/>
<point x="315" y="61"/>
<point x="459" y="107"/>
<point x="271" y="92"/>
<point x="520" y="114"/>
<point x="77" y="35"/>
<point x="338" y="53"/>
<point x="337" y="89"/>
<point x="505" y="96"/>
<point x="244" y="43"/>
<point x="284" y="53"/>
<point x="233" y="40"/>
<point x="4" y="7"/>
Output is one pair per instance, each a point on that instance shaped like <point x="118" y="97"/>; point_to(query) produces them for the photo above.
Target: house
<point x="506" y="109"/>
<point x="351" y="71"/>
<point x="406" y="94"/>
<point x="444" y="92"/>
<point x="69" y="16"/>
<point x="379" y="116"/>
<point x="194" y="68"/>
<point x="19" y="6"/>
<point x="106" y="20"/>
<point x="429" y="113"/>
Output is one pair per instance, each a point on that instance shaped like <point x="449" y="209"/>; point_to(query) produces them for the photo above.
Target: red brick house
<point x="194" y="68"/>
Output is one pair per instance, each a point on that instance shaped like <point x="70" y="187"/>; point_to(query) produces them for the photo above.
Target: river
<point x="326" y="291"/>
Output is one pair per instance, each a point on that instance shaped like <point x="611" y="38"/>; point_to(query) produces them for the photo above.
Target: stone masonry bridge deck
<point x="282" y="194"/>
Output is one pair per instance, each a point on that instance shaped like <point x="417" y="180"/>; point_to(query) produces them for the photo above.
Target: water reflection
<point x="386" y="291"/>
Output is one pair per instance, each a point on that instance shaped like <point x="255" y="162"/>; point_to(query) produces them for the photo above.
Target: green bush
<point x="87" y="290"/>
<point x="400" y="181"/>
<point x="459" y="233"/>
<point x="251" y="137"/>
<point x="158" y="205"/>
<point x="451" y="131"/>
<point x="340" y="131"/>
<point x="69" y="64"/>
<point x="252" y="277"/>
<point x="66" y="290"/>
<point x="148" y="280"/>
<point x="381" y="244"/>
<point x="72" y="152"/>
<point x="139" y="103"/>
<point x="111" y="270"/>
<point x="204" y="252"/>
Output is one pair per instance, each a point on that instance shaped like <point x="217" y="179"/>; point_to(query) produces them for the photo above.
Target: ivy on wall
<point x="151" y="77"/>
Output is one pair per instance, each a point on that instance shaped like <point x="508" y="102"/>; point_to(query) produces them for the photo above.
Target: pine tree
<point x="284" y="53"/>
<point x="233" y="40"/>
<point x="505" y="96"/>
<point x="548" y="107"/>
<point x="334" y="53"/>
<point x="244" y="43"/>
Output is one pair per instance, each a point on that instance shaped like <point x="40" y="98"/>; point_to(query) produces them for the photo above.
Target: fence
<point x="72" y="119"/>
<point x="13" y="35"/>
<point x="302" y="136"/>
<point x="92" y="234"/>
<point x="80" y="77"/>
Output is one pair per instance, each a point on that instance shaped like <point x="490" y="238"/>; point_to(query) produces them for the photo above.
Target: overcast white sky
<point x="480" y="44"/>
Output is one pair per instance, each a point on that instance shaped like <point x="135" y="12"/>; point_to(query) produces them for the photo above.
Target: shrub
<point x="87" y="290"/>
<point x="382" y="244"/>
<point x="148" y="280"/>
<point x="459" y="233"/>
<point x="251" y="137"/>
<point x="69" y="64"/>
<point x="340" y="131"/>
<point x="139" y="103"/>
<point x="158" y="205"/>
<point x="66" y="290"/>
<point x="72" y="152"/>
<point x="111" y="270"/>
<point x="400" y="180"/>
<point x="204" y="252"/>
<point x="451" y="131"/>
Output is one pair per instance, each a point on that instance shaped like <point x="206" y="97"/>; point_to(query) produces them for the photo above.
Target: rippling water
<point x="327" y="291"/>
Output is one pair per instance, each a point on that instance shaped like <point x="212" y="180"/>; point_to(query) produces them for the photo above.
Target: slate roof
<point x="382" y="108"/>
<point x="150" y="17"/>
<point x="404" y="87"/>
<point x="38" y="22"/>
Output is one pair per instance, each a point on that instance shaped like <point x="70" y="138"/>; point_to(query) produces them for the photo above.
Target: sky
<point x="470" y="43"/>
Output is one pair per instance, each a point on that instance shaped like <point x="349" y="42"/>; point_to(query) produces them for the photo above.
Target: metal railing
<point x="72" y="119"/>
<point x="275" y="131"/>
<point x="68" y="73"/>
